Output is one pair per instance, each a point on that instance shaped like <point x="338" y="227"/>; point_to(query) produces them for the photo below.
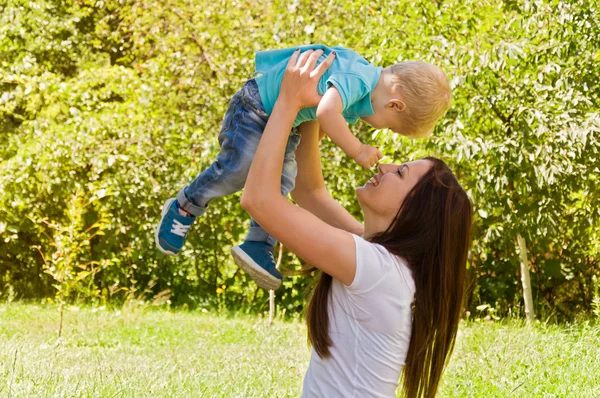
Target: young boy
<point x="408" y="98"/>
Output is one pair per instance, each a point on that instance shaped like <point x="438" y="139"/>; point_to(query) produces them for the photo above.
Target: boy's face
<point x="387" y="112"/>
<point x="384" y="118"/>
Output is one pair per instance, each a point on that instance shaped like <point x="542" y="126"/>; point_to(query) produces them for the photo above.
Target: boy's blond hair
<point x="425" y="90"/>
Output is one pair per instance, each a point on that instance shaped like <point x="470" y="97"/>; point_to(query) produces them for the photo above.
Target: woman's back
<point x="369" y="326"/>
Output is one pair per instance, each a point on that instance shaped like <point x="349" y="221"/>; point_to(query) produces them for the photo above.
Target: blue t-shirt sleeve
<point x="352" y="87"/>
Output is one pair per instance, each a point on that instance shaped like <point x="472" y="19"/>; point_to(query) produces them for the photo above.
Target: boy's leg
<point x="255" y="255"/>
<point x="288" y="180"/>
<point x="239" y="138"/>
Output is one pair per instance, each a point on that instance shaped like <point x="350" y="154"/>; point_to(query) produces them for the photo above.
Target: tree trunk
<point x="529" y="312"/>
<point x="272" y="292"/>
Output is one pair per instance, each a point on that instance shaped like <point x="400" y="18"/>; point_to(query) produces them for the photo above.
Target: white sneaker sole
<point x="162" y="214"/>
<point x="261" y="277"/>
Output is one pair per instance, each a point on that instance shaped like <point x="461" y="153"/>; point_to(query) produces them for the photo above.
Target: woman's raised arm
<point x="310" y="192"/>
<point x="321" y="245"/>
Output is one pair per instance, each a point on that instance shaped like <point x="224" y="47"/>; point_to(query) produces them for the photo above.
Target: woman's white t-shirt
<point x="369" y="325"/>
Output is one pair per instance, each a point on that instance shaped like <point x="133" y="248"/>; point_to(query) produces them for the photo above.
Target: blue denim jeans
<point x="242" y="128"/>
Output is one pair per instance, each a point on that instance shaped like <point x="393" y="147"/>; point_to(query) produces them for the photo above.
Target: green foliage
<point x="127" y="97"/>
<point x="69" y="263"/>
<point x="596" y="297"/>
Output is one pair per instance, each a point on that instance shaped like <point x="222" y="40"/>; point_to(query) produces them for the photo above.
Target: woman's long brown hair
<point x="431" y="231"/>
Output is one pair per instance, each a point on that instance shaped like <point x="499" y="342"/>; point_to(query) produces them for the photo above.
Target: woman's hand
<point x="299" y="86"/>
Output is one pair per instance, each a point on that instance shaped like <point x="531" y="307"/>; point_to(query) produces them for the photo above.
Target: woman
<point x="386" y="303"/>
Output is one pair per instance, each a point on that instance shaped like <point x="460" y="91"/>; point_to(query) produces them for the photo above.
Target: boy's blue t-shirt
<point x="350" y="74"/>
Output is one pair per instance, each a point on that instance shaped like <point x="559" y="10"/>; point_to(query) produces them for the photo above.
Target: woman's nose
<point x="384" y="168"/>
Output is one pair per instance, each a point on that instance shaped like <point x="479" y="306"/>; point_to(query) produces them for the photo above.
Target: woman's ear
<point x="396" y="105"/>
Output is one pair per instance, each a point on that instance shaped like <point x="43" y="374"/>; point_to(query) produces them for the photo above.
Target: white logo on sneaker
<point x="179" y="228"/>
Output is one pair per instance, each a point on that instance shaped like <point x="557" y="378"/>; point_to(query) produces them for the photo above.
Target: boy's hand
<point x="367" y="156"/>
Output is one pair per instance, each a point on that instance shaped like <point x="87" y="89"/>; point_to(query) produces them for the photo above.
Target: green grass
<point x="152" y="353"/>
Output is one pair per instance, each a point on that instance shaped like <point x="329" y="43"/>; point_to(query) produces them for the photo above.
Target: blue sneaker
<point x="256" y="259"/>
<point x="172" y="228"/>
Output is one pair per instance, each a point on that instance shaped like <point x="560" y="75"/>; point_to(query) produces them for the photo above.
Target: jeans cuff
<point x="257" y="234"/>
<point x="188" y="206"/>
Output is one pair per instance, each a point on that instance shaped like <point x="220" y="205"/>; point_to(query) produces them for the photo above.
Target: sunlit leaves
<point x="127" y="97"/>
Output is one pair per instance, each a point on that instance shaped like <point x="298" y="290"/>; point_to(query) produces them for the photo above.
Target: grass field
<point x="152" y="353"/>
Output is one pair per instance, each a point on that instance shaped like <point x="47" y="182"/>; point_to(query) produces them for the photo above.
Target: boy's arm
<point x="310" y="192"/>
<point x="329" y="114"/>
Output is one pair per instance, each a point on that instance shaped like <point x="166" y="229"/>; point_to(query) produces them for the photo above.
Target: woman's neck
<point x="374" y="225"/>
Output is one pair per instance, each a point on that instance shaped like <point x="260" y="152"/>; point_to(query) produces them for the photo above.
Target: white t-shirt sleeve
<point x="374" y="264"/>
<point x="382" y="285"/>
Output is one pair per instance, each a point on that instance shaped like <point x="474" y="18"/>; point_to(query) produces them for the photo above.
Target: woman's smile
<point x="374" y="180"/>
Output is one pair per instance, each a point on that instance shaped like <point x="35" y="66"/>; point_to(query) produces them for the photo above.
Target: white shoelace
<point x="179" y="228"/>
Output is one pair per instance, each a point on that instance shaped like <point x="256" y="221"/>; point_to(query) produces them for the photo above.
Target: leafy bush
<point x="126" y="97"/>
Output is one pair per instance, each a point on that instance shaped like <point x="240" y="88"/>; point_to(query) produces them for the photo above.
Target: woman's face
<point x="385" y="192"/>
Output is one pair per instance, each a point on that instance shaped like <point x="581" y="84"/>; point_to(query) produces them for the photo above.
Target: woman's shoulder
<point x="375" y="251"/>
<point x="375" y="264"/>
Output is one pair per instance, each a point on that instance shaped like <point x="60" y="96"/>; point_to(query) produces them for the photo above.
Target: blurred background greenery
<point x="107" y="108"/>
